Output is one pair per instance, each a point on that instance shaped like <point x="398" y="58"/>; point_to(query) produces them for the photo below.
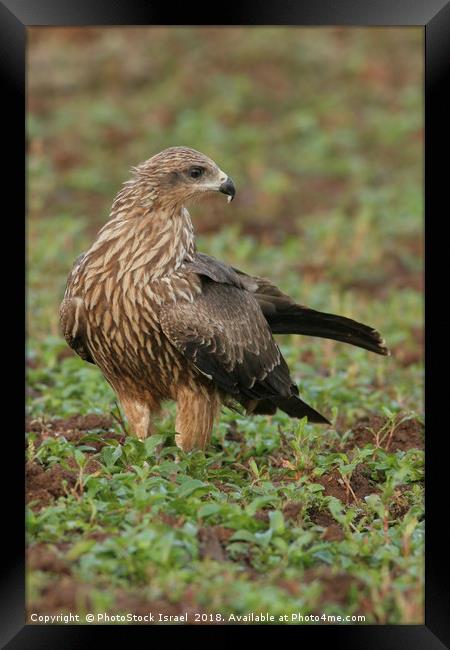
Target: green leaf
<point x="263" y="538"/>
<point x="80" y="548"/>
<point x="209" y="509"/>
<point x="152" y="442"/>
<point x="375" y="504"/>
<point x="336" y="508"/>
<point x="190" y="486"/>
<point x="110" y="455"/>
<point x="258" y="503"/>
<point x="80" y="458"/>
<point x="243" y="536"/>
<point x="276" y="522"/>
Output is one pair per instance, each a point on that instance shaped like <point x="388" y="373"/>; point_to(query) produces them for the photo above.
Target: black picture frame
<point x="434" y="15"/>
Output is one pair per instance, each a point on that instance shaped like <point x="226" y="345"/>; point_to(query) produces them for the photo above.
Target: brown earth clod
<point x="374" y="429"/>
<point x="74" y="429"/>
<point x="74" y="423"/>
<point x="213" y="541"/>
<point x="44" y="485"/>
<point x="332" y="531"/>
<point x="41" y="557"/>
<point x="349" y="491"/>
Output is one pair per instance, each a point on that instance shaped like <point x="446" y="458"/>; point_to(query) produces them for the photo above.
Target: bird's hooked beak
<point x="227" y="187"/>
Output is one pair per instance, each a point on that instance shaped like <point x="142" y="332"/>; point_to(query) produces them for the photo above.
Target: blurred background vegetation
<point x="322" y="131"/>
<point x="320" y="128"/>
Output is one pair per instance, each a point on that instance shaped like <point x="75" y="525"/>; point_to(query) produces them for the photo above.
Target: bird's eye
<point x="196" y="172"/>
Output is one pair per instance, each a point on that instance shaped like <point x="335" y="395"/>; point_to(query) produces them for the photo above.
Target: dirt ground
<point x="43" y="486"/>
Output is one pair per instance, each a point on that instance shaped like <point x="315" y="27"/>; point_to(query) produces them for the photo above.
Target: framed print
<point x="225" y="228"/>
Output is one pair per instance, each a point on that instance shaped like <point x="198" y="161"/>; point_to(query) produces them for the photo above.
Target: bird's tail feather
<point x="296" y="408"/>
<point x="301" y="320"/>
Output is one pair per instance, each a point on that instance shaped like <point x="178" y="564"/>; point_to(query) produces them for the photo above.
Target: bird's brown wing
<point x="284" y="315"/>
<point x="209" y="267"/>
<point x="73" y="326"/>
<point x="225" y="335"/>
<point x="72" y="318"/>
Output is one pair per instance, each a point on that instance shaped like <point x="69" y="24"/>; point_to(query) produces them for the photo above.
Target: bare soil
<point x="213" y="540"/>
<point x="58" y="426"/>
<point x="335" y="588"/>
<point x="74" y="429"/>
<point x="332" y="531"/>
<point x="350" y="490"/>
<point x="43" y="485"/>
<point x="374" y="429"/>
<point x="41" y="557"/>
<point x="65" y="594"/>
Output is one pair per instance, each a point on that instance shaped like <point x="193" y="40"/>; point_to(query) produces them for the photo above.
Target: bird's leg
<point x="138" y="414"/>
<point x="196" y="413"/>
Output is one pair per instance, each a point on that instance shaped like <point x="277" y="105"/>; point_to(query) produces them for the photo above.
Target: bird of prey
<point x="163" y="321"/>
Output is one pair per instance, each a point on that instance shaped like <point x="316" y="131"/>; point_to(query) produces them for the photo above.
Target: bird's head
<point x="179" y="174"/>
